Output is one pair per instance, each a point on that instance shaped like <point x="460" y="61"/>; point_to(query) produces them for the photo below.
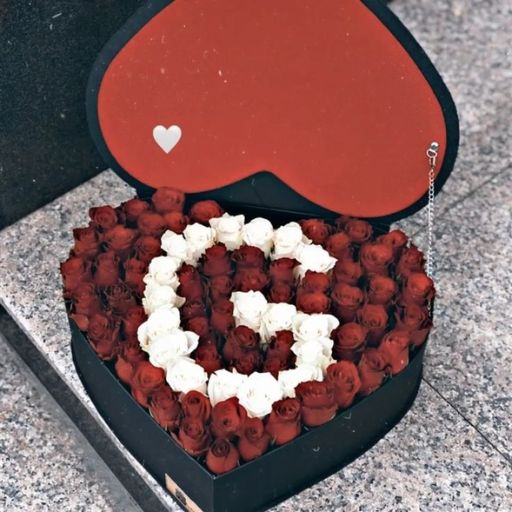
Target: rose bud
<point x="418" y="289"/>
<point x="167" y="199"/>
<point x="87" y="243"/>
<point x="372" y="369"/>
<point x="280" y="292"/>
<point x="376" y="258"/>
<point x="317" y="230"/>
<point x="281" y="270"/>
<point x="103" y="334"/>
<point x="145" y="381"/>
<point x="75" y="271"/>
<point x="151" y="224"/>
<point x="415" y="320"/>
<point x="284" y="423"/>
<point x="250" y="279"/>
<point x="317" y="401"/>
<point x="165" y="408"/>
<point x="176" y="222"/>
<point x="228" y="418"/>
<point x="120" y="240"/>
<point x="315" y="282"/>
<point x="134" y="272"/>
<point x="359" y="231"/>
<point x="395" y="348"/>
<point x="349" y="341"/>
<point x="344" y="377"/>
<point x="375" y="318"/>
<point x="312" y="302"/>
<point x="104" y="217"/>
<point x="273" y="365"/>
<point x="208" y="357"/>
<point x="147" y="247"/>
<point x="280" y="346"/>
<point x="133" y="208"/>
<point x="240" y="339"/>
<point x="254" y="441"/>
<point x="222" y="316"/>
<point x="339" y="246"/>
<point x="220" y="287"/>
<point x="191" y="309"/>
<point x="203" y="211"/>
<point x="196" y="405"/>
<point x="85" y="300"/>
<point x="191" y="286"/>
<point x="130" y="354"/>
<point x="381" y="289"/>
<point x="132" y="320"/>
<point x="119" y="297"/>
<point x="347" y="300"/>
<point x="222" y="457"/>
<point x="348" y="271"/>
<point x="396" y="239"/>
<point x="106" y="268"/>
<point x="248" y="362"/>
<point x="248" y="256"/>
<point x="200" y="325"/>
<point x="216" y="261"/>
<point x="411" y="260"/>
<point x="194" y="436"/>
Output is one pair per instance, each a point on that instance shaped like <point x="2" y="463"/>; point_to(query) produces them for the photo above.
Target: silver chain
<point x="432" y="159"/>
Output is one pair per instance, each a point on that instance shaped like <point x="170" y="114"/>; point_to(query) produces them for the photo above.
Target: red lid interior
<point x="320" y="93"/>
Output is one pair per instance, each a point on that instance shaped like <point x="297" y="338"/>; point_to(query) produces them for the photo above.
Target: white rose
<point x="313" y="257"/>
<point x="162" y="271"/>
<point x="277" y="317"/>
<point x="175" y="245"/>
<point x="199" y="238"/>
<point x="228" y="230"/>
<point x="317" y="325"/>
<point x="315" y="352"/>
<point x="184" y="375"/>
<point x="290" y="379"/>
<point x="166" y="348"/>
<point x="259" y="233"/>
<point x="163" y="321"/>
<point x="258" y="393"/>
<point x="286" y="240"/>
<point x="224" y="384"/>
<point x="248" y="308"/>
<point x="156" y="296"/>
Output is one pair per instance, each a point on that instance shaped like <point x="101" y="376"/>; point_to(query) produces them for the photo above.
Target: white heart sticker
<point x="167" y="138"/>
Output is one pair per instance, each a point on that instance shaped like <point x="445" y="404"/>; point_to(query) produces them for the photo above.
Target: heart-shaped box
<point x="276" y="108"/>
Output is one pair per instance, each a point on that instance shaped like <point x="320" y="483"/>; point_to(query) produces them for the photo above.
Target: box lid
<point x="311" y="106"/>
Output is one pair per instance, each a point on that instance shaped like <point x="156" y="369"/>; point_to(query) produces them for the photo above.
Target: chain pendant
<point x="432" y="158"/>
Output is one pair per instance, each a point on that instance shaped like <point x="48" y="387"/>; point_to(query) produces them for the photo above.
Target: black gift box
<point x="319" y="452"/>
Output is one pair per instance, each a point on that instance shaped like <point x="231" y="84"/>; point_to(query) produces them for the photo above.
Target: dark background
<point x="46" y="52"/>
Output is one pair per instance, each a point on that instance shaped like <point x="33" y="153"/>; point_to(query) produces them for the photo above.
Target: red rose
<point x="87" y="243"/>
<point x="280" y="292"/>
<point x="281" y="270"/>
<point x="133" y="208"/>
<point x="344" y="377"/>
<point x="119" y="297"/>
<point x="317" y="401"/>
<point x="396" y="239"/>
<point x="415" y="320"/>
<point x="106" y="269"/>
<point x="228" y="418"/>
<point x="280" y="346"/>
<point x="359" y="231"/>
<point x="85" y="302"/>
<point x="208" y="357"/>
<point x="376" y="258"/>
<point x="254" y="441"/>
<point x="381" y="289"/>
<point x="130" y="354"/>
<point x="312" y="302"/>
<point x="372" y="370"/>
<point x="134" y="272"/>
<point x="194" y="436"/>
<point x="395" y="348"/>
<point x="316" y="230"/>
<point x="418" y="289"/>
<point x="216" y="261"/>
<point x="315" y="282"/>
<point x="349" y="341"/>
<point x="191" y="309"/>
<point x="348" y="271"/>
<point x="341" y="221"/>
<point x="250" y="279"/>
<point x="221" y="318"/>
<point x="147" y="247"/>
<point x="103" y="334"/>
<point x="167" y="199"/>
<point x="196" y="405"/>
<point x="104" y="217"/>
<point x="151" y="224"/>
<point x="339" y="246"/>
<point x="411" y="260"/>
<point x="120" y="240"/>
<point x="191" y="286"/>
<point x="273" y="365"/>
<point x="248" y="362"/>
<point x="203" y="211"/>
<point x="176" y="221"/>
<point x="375" y="318"/>
<point x="200" y="325"/>
<point x="165" y="408"/>
<point x="347" y="300"/>
<point x="145" y="381"/>
<point x="220" y="287"/>
<point x="222" y="457"/>
<point x="283" y="423"/>
<point x="132" y="320"/>
<point x="240" y="339"/>
<point x="75" y="271"/>
<point x="248" y="256"/>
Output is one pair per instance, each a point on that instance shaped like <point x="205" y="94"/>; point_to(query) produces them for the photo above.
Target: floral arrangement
<point x="237" y="336"/>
